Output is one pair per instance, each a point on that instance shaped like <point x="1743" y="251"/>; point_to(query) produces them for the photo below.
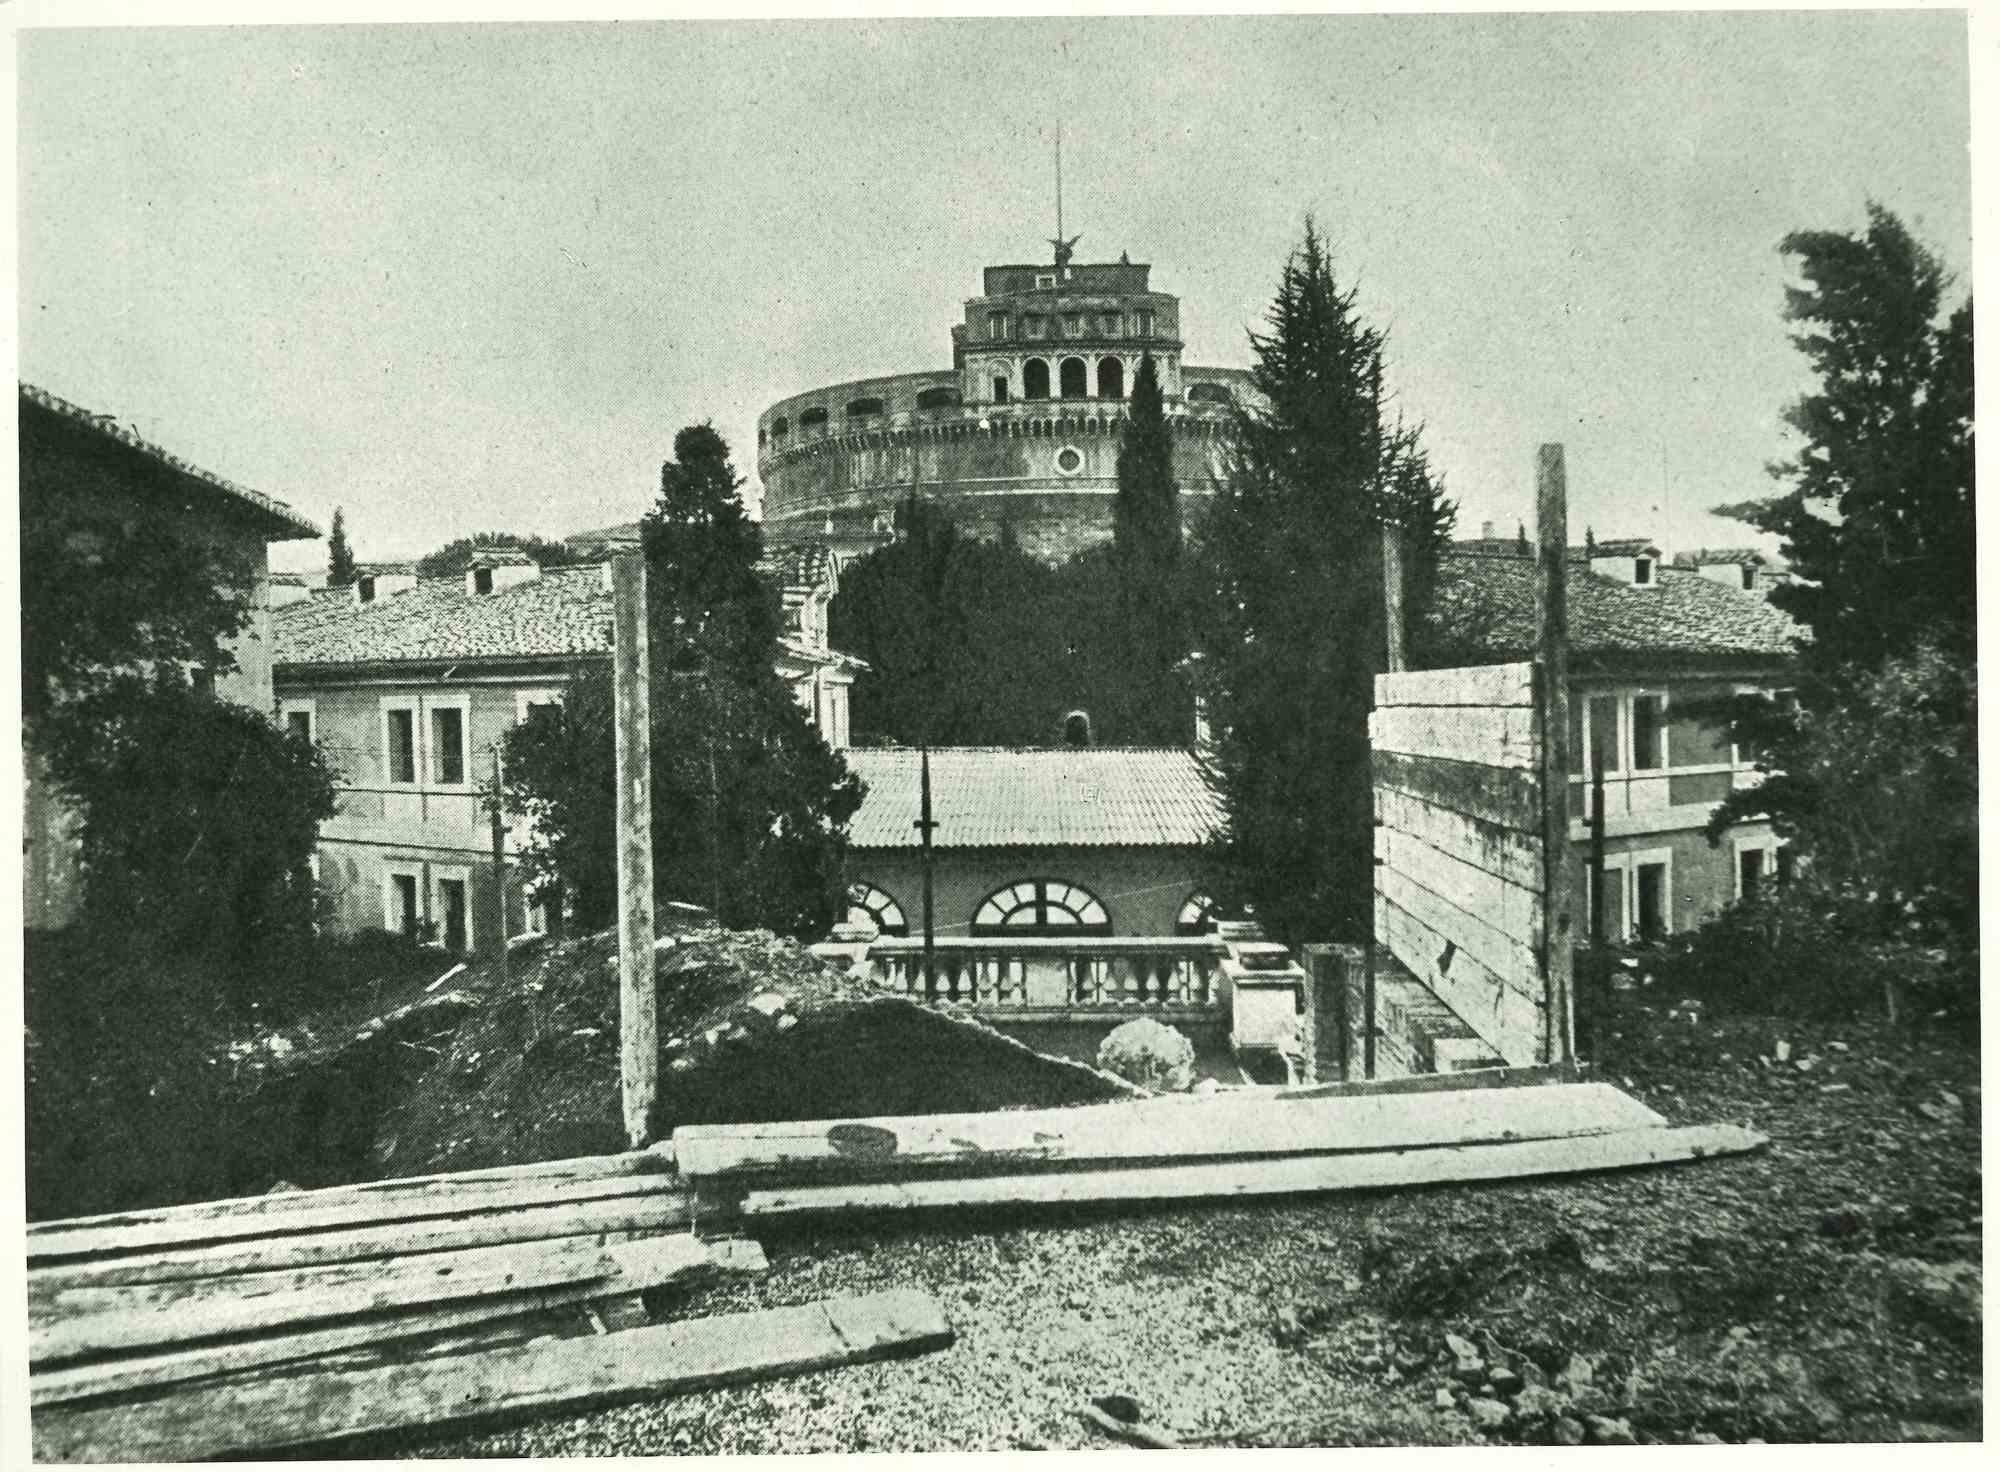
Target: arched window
<point x="1197" y="913"/>
<point x="944" y="396"/>
<point x="1035" y="379"/>
<point x="1209" y="393"/>
<point x="780" y="427"/>
<point x="867" y="905"/>
<point x="814" y="418"/>
<point x="1075" y="379"/>
<point x="1111" y="379"/>
<point x="1076" y="728"/>
<point x="1041" y="907"/>
<point x="864" y="408"/>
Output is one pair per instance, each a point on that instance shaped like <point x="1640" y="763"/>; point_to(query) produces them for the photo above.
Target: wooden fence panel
<point x="1460" y="868"/>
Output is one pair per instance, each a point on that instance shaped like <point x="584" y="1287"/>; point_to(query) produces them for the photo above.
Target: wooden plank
<point x="357" y="1244"/>
<point x="1438" y="1083"/>
<point x="1499" y="1014"/>
<point x="1515" y="912"/>
<point x="1510" y="956"/>
<point x="1479" y="684"/>
<point x="149" y="1231"/>
<point x="1552" y="723"/>
<point x="1157" y="1130"/>
<point x="638" y="990"/>
<point x="1283" y="1175"/>
<point x="1513" y="855"/>
<point x="90" y="1320"/>
<point x="1507" y="796"/>
<point x="1493" y="736"/>
<point x="304" y="1410"/>
<point x="644" y="1263"/>
<point x="657" y="1160"/>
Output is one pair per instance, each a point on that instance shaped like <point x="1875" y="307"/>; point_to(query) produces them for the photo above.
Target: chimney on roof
<point x="496" y="569"/>
<point x="377" y="582"/>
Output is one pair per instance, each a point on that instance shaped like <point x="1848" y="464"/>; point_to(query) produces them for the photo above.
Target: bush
<point x="1149" y="1054"/>
<point x="1807" y="950"/>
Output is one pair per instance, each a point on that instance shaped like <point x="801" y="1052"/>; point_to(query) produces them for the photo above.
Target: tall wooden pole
<point x="1552" y="710"/>
<point x="499" y="874"/>
<point x="1392" y="596"/>
<point x="925" y="826"/>
<point x="638" y="1002"/>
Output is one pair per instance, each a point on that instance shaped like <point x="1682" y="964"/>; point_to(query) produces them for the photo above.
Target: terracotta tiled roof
<point x="564" y="612"/>
<point x="1490" y="601"/>
<point x="1620" y="547"/>
<point x="1711" y="556"/>
<point x="801" y="568"/>
<point x="993" y="797"/>
<point x="108" y="426"/>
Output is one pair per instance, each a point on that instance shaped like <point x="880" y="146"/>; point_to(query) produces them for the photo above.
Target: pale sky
<point x="470" y="277"/>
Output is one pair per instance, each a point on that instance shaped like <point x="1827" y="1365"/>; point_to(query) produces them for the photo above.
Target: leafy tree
<point x="963" y="638"/>
<point x="1878" y="520"/>
<point x="1872" y="771"/>
<point x="749" y="804"/>
<point x="1291" y="610"/>
<point x="339" y="556"/>
<point x="198" y="816"/>
<point x="456" y="555"/>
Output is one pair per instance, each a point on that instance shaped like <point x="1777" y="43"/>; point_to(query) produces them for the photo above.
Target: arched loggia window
<point x="1075" y="379"/>
<point x="1111" y="379"/>
<point x="869" y="905"/>
<point x="1041" y="907"/>
<point x="1035" y="379"/>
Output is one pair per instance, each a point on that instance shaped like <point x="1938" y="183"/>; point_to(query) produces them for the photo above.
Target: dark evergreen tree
<point x="1878" y="519"/>
<point x="1291" y="610"/>
<point x="1144" y="692"/>
<point x="963" y="638"/>
<point x="749" y="805"/>
<point x="339" y="556"/>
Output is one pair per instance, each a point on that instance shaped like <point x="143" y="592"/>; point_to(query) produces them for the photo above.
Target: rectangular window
<point x="402" y="727"/>
<point x="404" y="917"/>
<point x="454" y="920"/>
<point x="996" y="326"/>
<point x="1650" y="900"/>
<point x="1045" y="281"/>
<point x="300" y="724"/>
<point x="482" y="580"/>
<point x="1142" y="324"/>
<point x="1642" y="570"/>
<point x="1112" y="325"/>
<point x="1604" y="743"/>
<point x="1749" y="872"/>
<point x="1000" y="390"/>
<point x="1649" y="732"/>
<point x="1073" y="324"/>
<point x="448" y="746"/>
<point x="1038" y="326"/>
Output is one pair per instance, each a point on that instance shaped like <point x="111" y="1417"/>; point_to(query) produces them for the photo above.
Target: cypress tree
<point x="339" y="556"/>
<point x="1292" y="630"/>
<point x="1146" y="700"/>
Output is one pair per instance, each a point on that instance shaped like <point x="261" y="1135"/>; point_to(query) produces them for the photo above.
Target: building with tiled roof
<point x="1654" y="650"/>
<point x="90" y="484"/>
<point x="1034" y="841"/>
<point x="408" y="684"/>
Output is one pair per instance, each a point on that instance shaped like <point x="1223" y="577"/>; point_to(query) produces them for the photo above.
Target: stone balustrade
<point x="1053" y="975"/>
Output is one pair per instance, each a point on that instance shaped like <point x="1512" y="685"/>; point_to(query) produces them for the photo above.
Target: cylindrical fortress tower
<point x="1020" y="433"/>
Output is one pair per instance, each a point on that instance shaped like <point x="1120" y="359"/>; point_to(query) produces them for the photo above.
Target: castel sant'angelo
<point x="1020" y="433"/>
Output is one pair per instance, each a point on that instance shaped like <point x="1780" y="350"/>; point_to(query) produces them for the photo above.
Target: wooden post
<point x="1597" y="856"/>
<point x="638" y="1037"/>
<point x="499" y="873"/>
<point x="1552" y="713"/>
<point x="925" y="825"/>
<point x="1392" y="596"/>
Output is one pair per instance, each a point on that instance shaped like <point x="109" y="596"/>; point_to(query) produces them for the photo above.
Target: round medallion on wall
<point x="1069" y="460"/>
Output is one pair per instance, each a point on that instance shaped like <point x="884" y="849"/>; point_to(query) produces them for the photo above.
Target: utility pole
<point x="499" y="872"/>
<point x="638" y="999"/>
<point x="925" y="826"/>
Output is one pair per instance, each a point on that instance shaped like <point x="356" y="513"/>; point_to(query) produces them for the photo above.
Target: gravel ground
<point x="1825" y="1289"/>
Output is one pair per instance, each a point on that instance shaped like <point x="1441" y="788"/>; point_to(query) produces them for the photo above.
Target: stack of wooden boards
<point x="229" y="1327"/>
<point x="1341" y="1137"/>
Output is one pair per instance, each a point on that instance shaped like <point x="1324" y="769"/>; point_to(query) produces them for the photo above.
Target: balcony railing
<point x="1041" y="974"/>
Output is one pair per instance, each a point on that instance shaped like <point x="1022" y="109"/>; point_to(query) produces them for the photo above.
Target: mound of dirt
<point x="752" y="1027"/>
